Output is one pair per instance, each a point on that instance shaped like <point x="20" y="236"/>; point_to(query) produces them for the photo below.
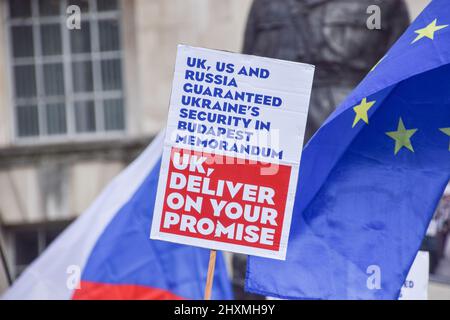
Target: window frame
<point x="41" y="230"/>
<point x="66" y="58"/>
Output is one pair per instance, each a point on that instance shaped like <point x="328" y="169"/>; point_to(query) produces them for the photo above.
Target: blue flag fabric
<point x="125" y="258"/>
<point x="371" y="177"/>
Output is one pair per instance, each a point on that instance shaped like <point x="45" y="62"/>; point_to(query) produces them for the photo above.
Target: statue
<point x="333" y="36"/>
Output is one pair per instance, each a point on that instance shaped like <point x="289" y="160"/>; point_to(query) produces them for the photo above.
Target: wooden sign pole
<point x="210" y="275"/>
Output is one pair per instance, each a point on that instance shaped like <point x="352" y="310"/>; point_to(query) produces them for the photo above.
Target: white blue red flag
<point x="109" y="247"/>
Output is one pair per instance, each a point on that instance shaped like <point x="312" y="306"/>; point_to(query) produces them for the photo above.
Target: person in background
<point x="435" y="240"/>
<point x="443" y="217"/>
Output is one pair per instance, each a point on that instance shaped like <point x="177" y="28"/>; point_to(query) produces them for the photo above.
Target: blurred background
<point x="78" y="105"/>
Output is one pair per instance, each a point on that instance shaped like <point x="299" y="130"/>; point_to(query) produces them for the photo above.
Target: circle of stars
<point x="402" y="136"/>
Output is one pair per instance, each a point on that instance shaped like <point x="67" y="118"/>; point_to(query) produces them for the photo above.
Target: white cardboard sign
<point x="416" y="283"/>
<point x="232" y="152"/>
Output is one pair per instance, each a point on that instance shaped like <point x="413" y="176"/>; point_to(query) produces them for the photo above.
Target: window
<point x="29" y="241"/>
<point x="66" y="82"/>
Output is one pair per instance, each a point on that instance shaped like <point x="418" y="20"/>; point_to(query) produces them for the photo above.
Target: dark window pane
<point x="85" y="116"/>
<point x="22" y="39"/>
<point x="49" y="7"/>
<point x="56" y="118"/>
<point x="83" y="4"/>
<point x="109" y="35"/>
<point x="20" y="8"/>
<point x="53" y="79"/>
<point x="25" y="81"/>
<point x="26" y="247"/>
<point x="111" y="74"/>
<point x="82" y="76"/>
<point x="105" y="5"/>
<point x="113" y="110"/>
<point x="80" y="39"/>
<point x="27" y="121"/>
<point x="51" y="39"/>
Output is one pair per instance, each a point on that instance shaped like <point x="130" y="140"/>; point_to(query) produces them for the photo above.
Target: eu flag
<point x="371" y="177"/>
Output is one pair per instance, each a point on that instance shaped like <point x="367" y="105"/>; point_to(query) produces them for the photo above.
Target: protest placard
<point x="232" y="152"/>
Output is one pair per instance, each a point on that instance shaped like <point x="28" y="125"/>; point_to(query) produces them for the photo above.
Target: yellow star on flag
<point x="428" y="31"/>
<point x="402" y="137"/>
<point x="447" y="132"/>
<point x="361" y="111"/>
